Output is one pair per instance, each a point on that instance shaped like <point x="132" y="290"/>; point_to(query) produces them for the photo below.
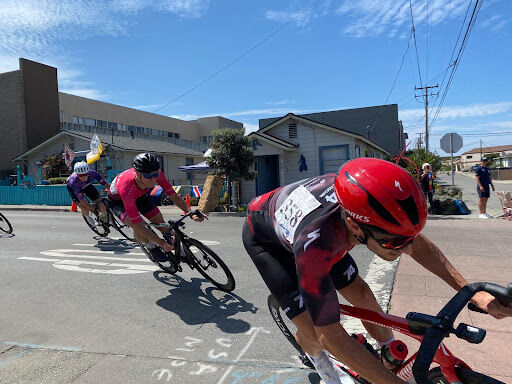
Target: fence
<point x="501" y="174"/>
<point x="40" y="195"/>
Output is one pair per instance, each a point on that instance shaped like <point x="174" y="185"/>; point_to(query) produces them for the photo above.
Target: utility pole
<point x="419" y="141"/>
<point x="425" y="98"/>
<point x="480" y="149"/>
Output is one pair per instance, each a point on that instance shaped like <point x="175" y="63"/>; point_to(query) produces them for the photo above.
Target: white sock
<point x="328" y="371"/>
<point x="383" y="343"/>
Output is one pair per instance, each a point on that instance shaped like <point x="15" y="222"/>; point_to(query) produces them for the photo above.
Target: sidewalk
<point x="481" y="251"/>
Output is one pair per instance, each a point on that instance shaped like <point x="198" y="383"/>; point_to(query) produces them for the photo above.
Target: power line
<point x="415" y="44"/>
<point x="399" y="69"/>
<point x="241" y="56"/>
<point x="472" y="21"/>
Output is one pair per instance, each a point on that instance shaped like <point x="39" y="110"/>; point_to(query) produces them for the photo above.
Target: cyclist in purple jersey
<point x="79" y="186"/>
<point x="299" y="237"/>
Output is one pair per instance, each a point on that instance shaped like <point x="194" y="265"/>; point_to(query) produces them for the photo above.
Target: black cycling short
<point x="276" y="265"/>
<point x="145" y="204"/>
<point x="90" y="191"/>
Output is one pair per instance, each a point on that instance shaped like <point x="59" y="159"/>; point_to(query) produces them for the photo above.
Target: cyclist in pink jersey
<point x="129" y="198"/>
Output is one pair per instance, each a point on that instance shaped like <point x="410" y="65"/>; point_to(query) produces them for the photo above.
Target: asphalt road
<point x="79" y="309"/>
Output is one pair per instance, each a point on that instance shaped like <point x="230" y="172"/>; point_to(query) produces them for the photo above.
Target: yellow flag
<point x="96" y="150"/>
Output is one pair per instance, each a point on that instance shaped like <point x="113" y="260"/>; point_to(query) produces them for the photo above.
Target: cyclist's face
<point x="84" y="176"/>
<point x="147" y="182"/>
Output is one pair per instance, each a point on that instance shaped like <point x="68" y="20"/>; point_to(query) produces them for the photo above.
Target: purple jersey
<point x="304" y="217"/>
<point x="77" y="185"/>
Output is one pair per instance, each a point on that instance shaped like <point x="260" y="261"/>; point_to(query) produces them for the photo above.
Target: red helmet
<point x="382" y="194"/>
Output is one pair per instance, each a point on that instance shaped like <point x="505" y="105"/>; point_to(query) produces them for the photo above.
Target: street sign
<point x="451" y="142"/>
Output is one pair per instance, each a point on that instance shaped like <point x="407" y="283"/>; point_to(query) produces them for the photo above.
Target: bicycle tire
<point x="101" y="230"/>
<point x="164" y="268"/>
<point x="198" y="262"/>
<point x="120" y="227"/>
<point x="465" y="375"/>
<point x="8" y="227"/>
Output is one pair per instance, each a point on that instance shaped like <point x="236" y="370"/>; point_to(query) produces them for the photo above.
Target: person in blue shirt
<point x="80" y="185"/>
<point x="483" y="180"/>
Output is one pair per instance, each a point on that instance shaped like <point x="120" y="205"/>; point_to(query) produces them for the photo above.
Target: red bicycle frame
<point x="446" y="360"/>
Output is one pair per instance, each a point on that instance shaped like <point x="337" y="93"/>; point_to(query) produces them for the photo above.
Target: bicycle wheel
<point x="465" y="375"/>
<point x="121" y="227"/>
<point x="209" y="264"/>
<point x="101" y="229"/>
<point x="5" y="226"/>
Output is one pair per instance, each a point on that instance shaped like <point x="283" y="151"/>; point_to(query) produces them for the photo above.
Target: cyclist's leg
<point x="92" y="193"/>
<point x="353" y="288"/>
<point x="147" y="206"/>
<point x="82" y="204"/>
<point x="276" y="266"/>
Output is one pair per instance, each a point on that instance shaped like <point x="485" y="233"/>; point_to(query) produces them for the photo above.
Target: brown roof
<point x="497" y="148"/>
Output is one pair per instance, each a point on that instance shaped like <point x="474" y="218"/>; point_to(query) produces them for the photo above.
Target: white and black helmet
<point x="81" y="168"/>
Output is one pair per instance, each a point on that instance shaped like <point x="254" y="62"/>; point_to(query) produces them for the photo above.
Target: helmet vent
<point x="409" y="206"/>
<point x="379" y="208"/>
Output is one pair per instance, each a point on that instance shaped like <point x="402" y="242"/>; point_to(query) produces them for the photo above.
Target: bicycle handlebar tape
<point x="426" y="353"/>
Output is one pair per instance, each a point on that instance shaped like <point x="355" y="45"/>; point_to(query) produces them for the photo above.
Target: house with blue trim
<point x="295" y="147"/>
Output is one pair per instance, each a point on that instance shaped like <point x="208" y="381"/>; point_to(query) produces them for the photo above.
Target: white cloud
<point x="369" y="18"/>
<point x="305" y="17"/>
<point x="280" y="102"/>
<point x="250" y="128"/>
<point x="89" y="93"/>
<point x="185" y="116"/>
<point x="147" y="107"/>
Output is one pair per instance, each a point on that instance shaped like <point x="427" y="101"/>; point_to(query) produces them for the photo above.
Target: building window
<point x="90" y="122"/>
<point x="140" y="131"/>
<point x="122" y="127"/>
<point x="357" y="151"/>
<point x="155" y="132"/>
<point x="112" y="125"/>
<point x="101" y="124"/>
<point x="470" y="156"/>
<point x="78" y="120"/>
<point x="292" y="131"/>
<point x="147" y="131"/>
<point x="169" y="134"/>
<point x="204" y="139"/>
<point x="210" y="139"/>
<point x="371" y="153"/>
<point x="176" y="135"/>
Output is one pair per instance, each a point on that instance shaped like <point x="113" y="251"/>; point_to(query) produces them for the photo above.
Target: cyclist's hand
<point x="167" y="247"/>
<point x="489" y="303"/>
<point x="199" y="218"/>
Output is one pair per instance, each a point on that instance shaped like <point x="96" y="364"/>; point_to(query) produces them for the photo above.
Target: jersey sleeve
<point x="77" y="190"/>
<point x="96" y="176"/>
<point x="314" y="259"/>
<point x="164" y="183"/>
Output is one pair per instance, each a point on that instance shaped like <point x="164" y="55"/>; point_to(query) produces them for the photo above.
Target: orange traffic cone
<point x="73" y="207"/>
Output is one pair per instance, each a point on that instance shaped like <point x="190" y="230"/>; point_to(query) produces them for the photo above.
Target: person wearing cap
<point x="483" y="180"/>
<point x="427" y="183"/>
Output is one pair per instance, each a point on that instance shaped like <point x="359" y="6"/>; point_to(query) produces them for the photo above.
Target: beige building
<point x="474" y="156"/>
<point x="33" y="111"/>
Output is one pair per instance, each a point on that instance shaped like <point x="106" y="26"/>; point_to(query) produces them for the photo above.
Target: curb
<point x="229" y="214"/>
<point x="22" y="208"/>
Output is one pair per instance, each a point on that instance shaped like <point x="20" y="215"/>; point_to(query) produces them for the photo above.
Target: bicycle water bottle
<point x="393" y="354"/>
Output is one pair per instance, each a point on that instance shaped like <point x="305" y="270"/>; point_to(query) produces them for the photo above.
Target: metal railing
<point x="195" y="145"/>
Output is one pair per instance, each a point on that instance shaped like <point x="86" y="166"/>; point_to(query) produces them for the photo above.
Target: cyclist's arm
<point x="426" y="253"/>
<point x="344" y="347"/>
<point x="80" y="196"/>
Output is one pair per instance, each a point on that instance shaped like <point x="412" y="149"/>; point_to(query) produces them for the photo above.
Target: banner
<point x="96" y="150"/>
<point x="177" y="188"/>
<point x="196" y="191"/>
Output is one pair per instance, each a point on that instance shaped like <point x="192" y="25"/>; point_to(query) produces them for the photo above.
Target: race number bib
<point x="293" y="210"/>
<point x="113" y="190"/>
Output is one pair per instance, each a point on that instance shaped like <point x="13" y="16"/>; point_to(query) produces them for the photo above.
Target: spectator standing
<point x="483" y="180"/>
<point x="427" y="183"/>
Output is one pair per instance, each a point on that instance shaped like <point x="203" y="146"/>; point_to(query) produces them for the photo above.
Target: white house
<point x="295" y="147"/>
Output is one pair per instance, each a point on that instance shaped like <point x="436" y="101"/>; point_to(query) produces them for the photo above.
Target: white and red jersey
<point x="124" y="188"/>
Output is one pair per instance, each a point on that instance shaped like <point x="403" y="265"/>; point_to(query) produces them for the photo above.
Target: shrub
<point x="57" y="180"/>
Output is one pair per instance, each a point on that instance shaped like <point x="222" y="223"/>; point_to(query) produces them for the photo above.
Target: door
<point x="332" y="157"/>
<point x="268" y="173"/>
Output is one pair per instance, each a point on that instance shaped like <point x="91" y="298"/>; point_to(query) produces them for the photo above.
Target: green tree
<point x="232" y="156"/>
<point x="421" y="156"/>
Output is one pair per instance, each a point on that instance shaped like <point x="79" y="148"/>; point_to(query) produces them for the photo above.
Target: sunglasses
<point x="150" y="175"/>
<point x="395" y="243"/>
<point x="83" y="175"/>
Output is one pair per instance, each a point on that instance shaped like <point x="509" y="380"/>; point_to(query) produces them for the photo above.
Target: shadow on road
<point x="197" y="305"/>
<point x="6" y="235"/>
<point x="118" y="246"/>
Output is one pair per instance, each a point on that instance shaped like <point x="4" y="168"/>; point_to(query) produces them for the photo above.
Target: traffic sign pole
<point x="450" y="143"/>
<point x="451" y="153"/>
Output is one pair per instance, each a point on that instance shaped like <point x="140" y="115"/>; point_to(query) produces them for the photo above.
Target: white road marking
<point x="76" y="265"/>
<point x="65" y="255"/>
<point x="95" y="251"/>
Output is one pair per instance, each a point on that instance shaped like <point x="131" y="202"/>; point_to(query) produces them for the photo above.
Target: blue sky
<point x="335" y="55"/>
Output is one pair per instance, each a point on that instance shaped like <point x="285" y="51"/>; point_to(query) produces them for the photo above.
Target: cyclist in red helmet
<point x="299" y="237"/>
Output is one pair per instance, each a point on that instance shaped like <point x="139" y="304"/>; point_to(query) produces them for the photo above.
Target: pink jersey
<point x="124" y="188"/>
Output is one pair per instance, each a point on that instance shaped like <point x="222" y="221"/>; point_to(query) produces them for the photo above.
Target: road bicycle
<point x="191" y="252"/>
<point x="428" y="330"/>
<point x="104" y="220"/>
<point x="5" y="226"/>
